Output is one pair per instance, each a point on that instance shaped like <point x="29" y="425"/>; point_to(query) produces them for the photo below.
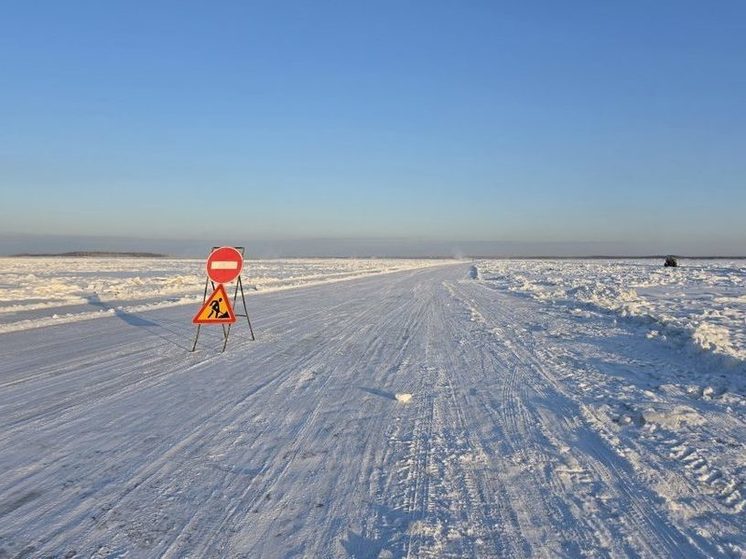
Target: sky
<point x="616" y="123"/>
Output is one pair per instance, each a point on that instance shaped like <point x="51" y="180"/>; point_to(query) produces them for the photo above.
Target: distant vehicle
<point x="670" y="262"/>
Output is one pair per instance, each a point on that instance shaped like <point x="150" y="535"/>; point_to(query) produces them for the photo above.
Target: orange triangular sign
<point x="216" y="310"/>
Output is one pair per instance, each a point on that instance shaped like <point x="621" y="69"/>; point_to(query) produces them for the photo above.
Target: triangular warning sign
<point x="216" y="310"/>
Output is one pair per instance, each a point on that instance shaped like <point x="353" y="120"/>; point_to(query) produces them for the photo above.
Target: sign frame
<point x="239" y="286"/>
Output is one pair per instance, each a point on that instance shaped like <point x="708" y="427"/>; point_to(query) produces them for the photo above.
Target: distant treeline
<point x="94" y="254"/>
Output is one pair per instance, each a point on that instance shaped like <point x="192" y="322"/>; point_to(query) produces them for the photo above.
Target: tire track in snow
<point x="152" y="469"/>
<point x="519" y="450"/>
<point x="355" y="329"/>
<point x="374" y="354"/>
<point x="648" y="530"/>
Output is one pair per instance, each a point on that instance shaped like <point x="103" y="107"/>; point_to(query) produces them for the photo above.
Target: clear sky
<point x="436" y="120"/>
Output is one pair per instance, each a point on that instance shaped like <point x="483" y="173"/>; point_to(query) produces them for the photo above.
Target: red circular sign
<point x="224" y="264"/>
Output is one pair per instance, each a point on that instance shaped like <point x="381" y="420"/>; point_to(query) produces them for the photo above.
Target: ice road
<point x="532" y="431"/>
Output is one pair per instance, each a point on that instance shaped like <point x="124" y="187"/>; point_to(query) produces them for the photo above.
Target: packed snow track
<point x="532" y="431"/>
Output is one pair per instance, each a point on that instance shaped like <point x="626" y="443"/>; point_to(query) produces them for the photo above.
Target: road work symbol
<point x="216" y="310"/>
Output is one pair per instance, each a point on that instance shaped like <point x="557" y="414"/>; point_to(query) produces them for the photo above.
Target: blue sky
<point x="567" y="122"/>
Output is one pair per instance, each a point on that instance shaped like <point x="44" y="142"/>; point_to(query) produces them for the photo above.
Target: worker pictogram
<point x="224" y="264"/>
<point x="217" y="309"/>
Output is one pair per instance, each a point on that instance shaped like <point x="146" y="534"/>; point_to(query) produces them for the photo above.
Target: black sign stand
<point x="239" y="285"/>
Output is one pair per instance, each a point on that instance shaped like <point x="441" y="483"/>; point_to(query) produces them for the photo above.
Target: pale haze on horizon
<point x="430" y="126"/>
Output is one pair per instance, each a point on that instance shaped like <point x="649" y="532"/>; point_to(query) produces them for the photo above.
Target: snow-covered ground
<point x="703" y="302"/>
<point x="41" y="291"/>
<point x="541" y="423"/>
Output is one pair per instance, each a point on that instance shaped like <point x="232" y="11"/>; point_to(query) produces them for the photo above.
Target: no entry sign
<point x="224" y="264"/>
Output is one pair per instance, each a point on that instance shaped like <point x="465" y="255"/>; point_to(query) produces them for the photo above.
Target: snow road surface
<point x="532" y="431"/>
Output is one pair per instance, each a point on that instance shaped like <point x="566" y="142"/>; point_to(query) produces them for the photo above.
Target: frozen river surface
<point x="541" y="424"/>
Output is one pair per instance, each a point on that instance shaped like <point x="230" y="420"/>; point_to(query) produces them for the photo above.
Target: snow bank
<point x="37" y="292"/>
<point x="673" y="418"/>
<point x="474" y="273"/>
<point x="701" y="304"/>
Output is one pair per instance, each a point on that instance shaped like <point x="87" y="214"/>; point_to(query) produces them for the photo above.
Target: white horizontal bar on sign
<point x="223" y="265"/>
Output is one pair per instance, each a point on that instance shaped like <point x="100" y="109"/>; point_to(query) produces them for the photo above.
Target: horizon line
<point x="138" y="254"/>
